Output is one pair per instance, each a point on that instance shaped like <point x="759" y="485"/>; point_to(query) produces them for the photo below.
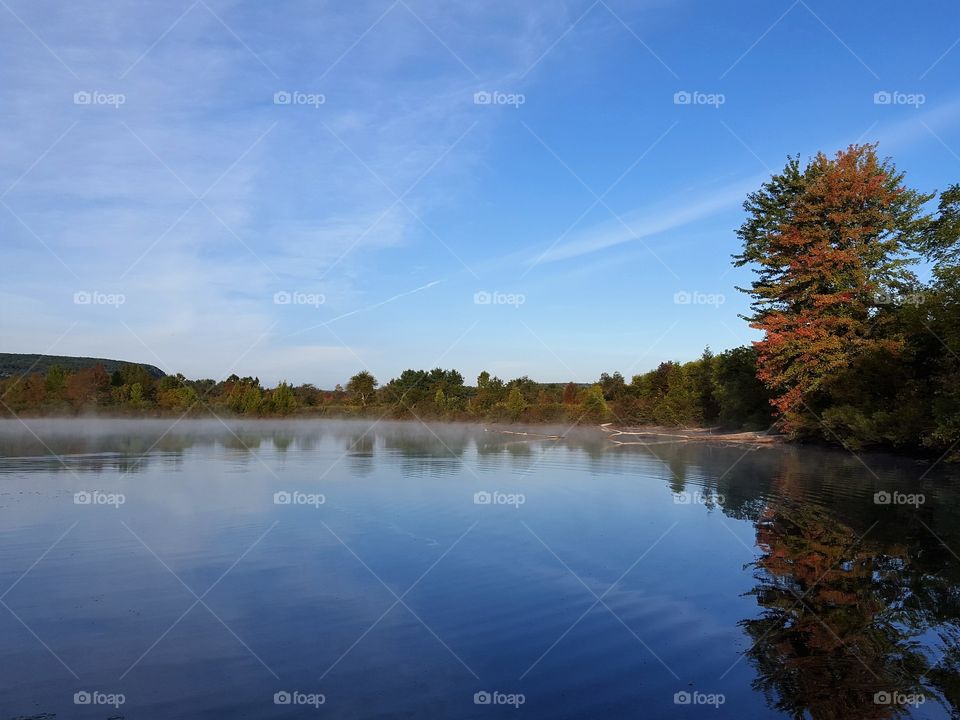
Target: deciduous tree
<point x="827" y="242"/>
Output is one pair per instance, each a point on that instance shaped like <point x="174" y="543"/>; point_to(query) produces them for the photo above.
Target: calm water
<point x="215" y="566"/>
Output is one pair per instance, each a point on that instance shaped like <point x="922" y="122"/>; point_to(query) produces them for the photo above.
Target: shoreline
<point x="615" y="435"/>
<point x="678" y="435"/>
<point x="659" y="435"/>
<point x="612" y="430"/>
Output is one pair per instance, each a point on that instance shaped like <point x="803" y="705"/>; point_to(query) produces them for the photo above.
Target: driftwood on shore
<point x="525" y="434"/>
<point x="654" y="435"/>
<point x="678" y="435"/>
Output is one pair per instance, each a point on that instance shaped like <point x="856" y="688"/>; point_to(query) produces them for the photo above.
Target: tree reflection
<point x="360" y="447"/>
<point x="832" y="634"/>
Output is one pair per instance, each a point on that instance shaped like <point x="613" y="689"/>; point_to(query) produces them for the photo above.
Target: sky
<point x="301" y="190"/>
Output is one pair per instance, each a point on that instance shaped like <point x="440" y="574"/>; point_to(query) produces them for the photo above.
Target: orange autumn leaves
<point x="830" y="240"/>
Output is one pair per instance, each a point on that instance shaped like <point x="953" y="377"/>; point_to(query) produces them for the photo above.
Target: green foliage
<point x="362" y="386"/>
<point x="244" y="396"/>
<point x="940" y="240"/>
<point x="282" y="400"/>
<point x="516" y="403"/>
<point x="56" y="381"/>
<point x="613" y="386"/>
<point x="714" y="389"/>
<point x="742" y="400"/>
<point x="490" y="391"/>
<point x="595" y="404"/>
<point x="136" y="395"/>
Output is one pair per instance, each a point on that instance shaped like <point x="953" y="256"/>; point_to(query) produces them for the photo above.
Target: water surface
<point x="198" y="569"/>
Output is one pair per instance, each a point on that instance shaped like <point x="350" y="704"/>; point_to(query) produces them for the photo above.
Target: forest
<point x="855" y="289"/>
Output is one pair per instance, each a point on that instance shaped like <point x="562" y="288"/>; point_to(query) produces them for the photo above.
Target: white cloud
<point x="674" y="213"/>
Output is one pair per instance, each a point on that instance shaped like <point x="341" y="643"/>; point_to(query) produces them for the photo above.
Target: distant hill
<point x="12" y="364"/>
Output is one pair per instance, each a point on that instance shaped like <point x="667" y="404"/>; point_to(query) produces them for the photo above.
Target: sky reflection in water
<point x="596" y="582"/>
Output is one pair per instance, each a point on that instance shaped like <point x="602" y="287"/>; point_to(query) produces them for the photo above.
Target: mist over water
<point x="207" y="569"/>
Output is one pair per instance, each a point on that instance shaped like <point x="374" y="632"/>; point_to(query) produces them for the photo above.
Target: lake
<point x="333" y="569"/>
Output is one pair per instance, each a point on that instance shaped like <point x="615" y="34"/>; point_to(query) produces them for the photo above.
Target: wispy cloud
<point x="112" y="205"/>
<point x="375" y="306"/>
<point x="672" y="214"/>
<point x="691" y="206"/>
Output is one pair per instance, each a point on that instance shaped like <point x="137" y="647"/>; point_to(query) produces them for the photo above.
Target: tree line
<point x="856" y="348"/>
<point x="720" y="389"/>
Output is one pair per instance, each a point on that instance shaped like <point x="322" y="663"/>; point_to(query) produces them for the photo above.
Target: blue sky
<point x="161" y="199"/>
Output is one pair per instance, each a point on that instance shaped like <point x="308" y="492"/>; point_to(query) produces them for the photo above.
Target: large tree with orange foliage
<point x="830" y="245"/>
